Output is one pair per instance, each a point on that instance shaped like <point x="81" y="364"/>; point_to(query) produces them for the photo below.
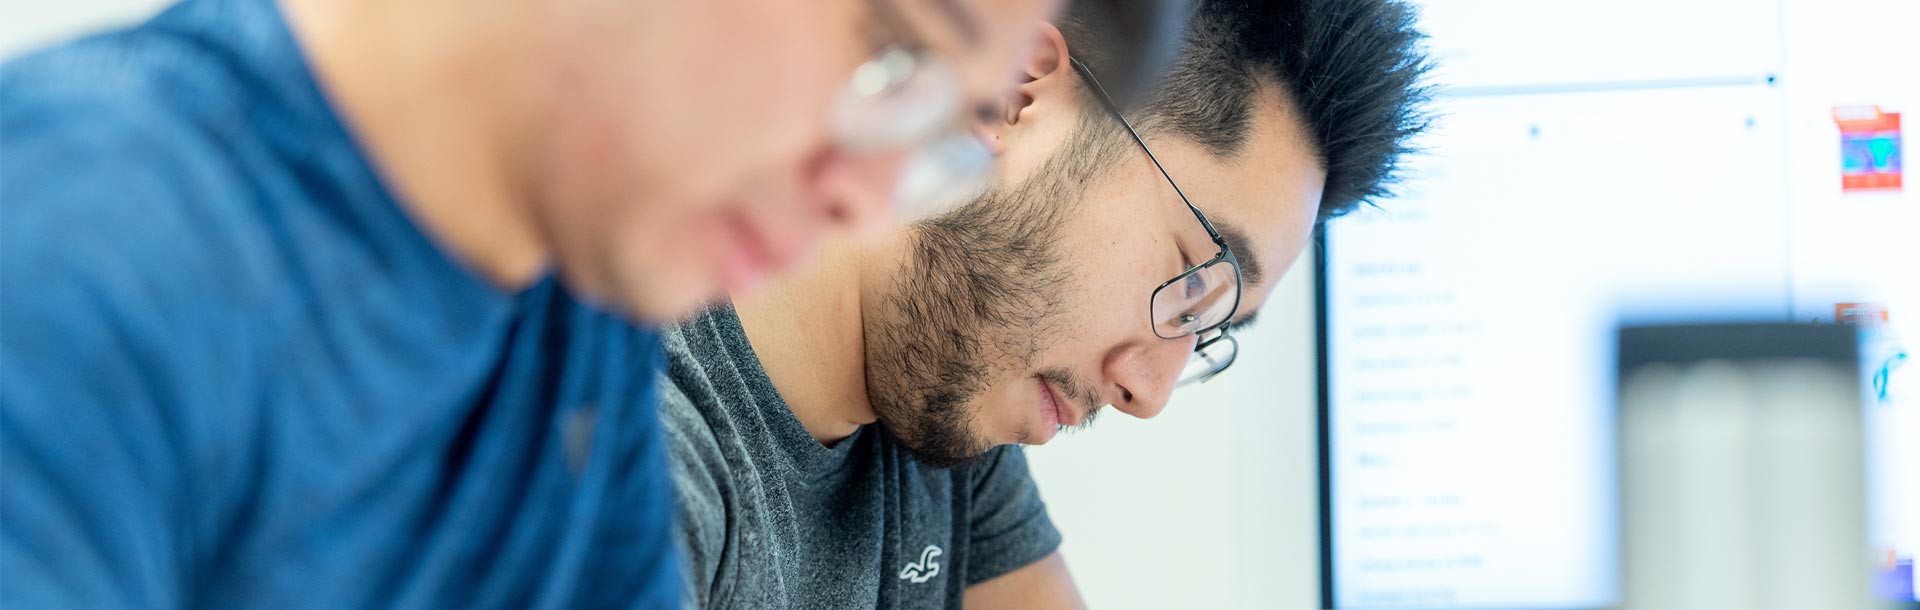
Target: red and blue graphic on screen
<point x="1869" y="149"/>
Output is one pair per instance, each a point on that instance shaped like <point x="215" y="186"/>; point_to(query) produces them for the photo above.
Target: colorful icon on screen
<point x="1895" y="580"/>
<point x="1882" y="350"/>
<point x="1869" y="148"/>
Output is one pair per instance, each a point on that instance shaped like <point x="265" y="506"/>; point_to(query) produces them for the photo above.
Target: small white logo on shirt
<point x="923" y="570"/>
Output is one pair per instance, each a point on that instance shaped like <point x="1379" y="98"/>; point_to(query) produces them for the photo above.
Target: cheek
<point x="1113" y="272"/>
<point x="704" y="117"/>
<point x="779" y="90"/>
<point x="722" y="149"/>
<point x="1004" y="411"/>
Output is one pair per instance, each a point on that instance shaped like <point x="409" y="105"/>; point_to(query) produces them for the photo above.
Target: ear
<point x="1045" y="72"/>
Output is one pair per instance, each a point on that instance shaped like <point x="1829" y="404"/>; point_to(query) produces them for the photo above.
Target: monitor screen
<point x="1572" y="184"/>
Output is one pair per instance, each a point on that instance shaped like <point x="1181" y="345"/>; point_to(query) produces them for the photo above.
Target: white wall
<point x="1212" y="504"/>
<point x="28" y="24"/>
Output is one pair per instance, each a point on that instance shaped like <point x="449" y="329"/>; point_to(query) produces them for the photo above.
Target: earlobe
<point x="990" y="126"/>
<point x="990" y="136"/>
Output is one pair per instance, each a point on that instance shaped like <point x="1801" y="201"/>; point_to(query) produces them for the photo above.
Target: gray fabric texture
<point x="772" y="519"/>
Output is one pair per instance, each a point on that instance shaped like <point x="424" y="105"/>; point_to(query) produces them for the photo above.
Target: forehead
<point x="1268" y="191"/>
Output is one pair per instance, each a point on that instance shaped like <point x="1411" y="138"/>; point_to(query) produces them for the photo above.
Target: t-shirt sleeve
<point x="92" y="436"/>
<point x="1009" y="524"/>
<point x="636" y="564"/>
<point x="701" y="521"/>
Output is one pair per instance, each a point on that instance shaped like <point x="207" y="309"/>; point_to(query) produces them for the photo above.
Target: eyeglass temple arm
<point x="1107" y="101"/>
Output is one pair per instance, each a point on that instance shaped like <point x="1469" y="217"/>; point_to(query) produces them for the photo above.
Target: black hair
<point x="1353" y="71"/>
<point x="1143" y="37"/>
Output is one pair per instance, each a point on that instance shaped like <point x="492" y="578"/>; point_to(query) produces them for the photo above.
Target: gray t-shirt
<point x="772" y="519"/>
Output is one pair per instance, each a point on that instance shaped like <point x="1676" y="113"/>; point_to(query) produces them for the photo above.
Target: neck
<point x="423" y="87"/>
<point x="808" y="330"/>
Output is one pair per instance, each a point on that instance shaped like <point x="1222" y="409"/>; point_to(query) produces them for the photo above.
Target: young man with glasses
<point x="851" y="438"/>
<point x="343" y="303"/>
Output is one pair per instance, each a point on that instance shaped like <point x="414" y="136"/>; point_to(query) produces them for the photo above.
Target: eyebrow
<point x="962" y="19"/>
<point x="1250" y="269"/>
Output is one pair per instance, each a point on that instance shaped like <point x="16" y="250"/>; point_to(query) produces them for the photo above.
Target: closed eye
<point x="1194" y="286"/>
<point x="1191" y="284"/>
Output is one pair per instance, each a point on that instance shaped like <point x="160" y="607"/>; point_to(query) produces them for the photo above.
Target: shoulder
<point x="701" y="389"/>
<point x="118" y="162"/>
<point x="145" y="89"/>
<point x="703" y="487"/>
<point x="130" y="242"/>
<point x="1007" y="522"/>
<point x="120" y="269"/>
<point x="689" y="435"/>
<point x="114" y="143"/>
<point x="687" y="403"/>
<point x="700" y="463"/>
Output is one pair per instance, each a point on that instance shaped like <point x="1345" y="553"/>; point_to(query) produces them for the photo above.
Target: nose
<point x="1144" y="372"/>
<point x="854" y="191"/>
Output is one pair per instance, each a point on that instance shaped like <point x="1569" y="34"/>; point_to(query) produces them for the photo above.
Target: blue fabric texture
<point x="235" y="374"/>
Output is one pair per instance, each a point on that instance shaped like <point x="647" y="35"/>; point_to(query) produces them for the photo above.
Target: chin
<point x="662" y="302"/>
<point x="944" y="453"/>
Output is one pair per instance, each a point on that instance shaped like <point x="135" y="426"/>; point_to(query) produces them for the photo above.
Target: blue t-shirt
<point x="236" y="375"/>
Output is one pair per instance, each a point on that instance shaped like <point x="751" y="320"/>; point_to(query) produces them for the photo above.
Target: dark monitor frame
<point x="1325" y="432"/>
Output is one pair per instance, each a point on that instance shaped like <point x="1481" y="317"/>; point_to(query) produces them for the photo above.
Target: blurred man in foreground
<point x="334" y="303"/>
<point x="850" y="439"/>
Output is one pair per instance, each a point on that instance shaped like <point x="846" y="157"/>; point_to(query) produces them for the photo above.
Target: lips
<point x="1069" y="416"/>
<point x="1049" y="415"/>
<point x="751" y="253"/>
<point x="1055" y="413"/>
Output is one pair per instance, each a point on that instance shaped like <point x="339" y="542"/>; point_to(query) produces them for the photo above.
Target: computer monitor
<point x="1438" y="492"/>
<point x="1588" y="168"/>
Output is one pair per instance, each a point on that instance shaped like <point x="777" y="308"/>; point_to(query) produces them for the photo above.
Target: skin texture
<point x="641" y="149"/>
<point x="946" y="334"/>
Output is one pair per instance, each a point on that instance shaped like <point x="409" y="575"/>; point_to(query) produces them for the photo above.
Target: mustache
<point x="1076" y="391"/>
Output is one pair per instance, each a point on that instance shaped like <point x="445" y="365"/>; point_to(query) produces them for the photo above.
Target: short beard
<point x="978" y="294"/>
